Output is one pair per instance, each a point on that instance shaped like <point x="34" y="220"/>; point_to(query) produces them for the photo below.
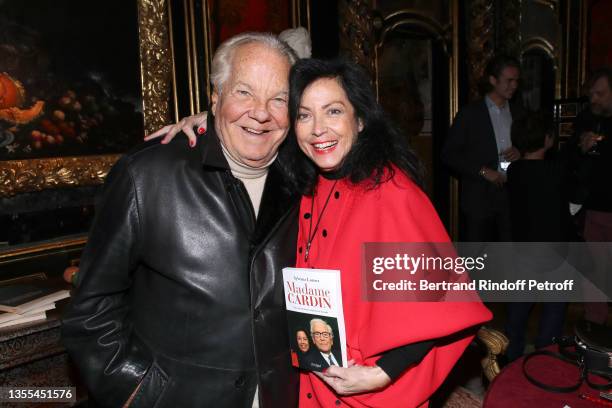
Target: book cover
<point x="24" y="298"/>
<point x="317" y="336"/>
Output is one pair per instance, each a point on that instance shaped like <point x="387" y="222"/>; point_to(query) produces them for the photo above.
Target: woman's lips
<point x="325" y="147"/>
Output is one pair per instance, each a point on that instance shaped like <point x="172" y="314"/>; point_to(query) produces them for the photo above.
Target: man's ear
<point x="214" y="99"/>
<point x="492" y="80"/>
<point x="360" y="124"/>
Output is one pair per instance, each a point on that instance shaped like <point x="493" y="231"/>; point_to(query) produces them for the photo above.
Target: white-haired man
<point x="176" y="302"/>
<point x="322" y="336"/>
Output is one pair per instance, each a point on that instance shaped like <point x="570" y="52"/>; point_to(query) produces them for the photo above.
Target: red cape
<point x="396" y="211"/>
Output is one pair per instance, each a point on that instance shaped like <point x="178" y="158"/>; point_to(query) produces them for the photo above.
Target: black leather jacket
<point x="180" y="288"/>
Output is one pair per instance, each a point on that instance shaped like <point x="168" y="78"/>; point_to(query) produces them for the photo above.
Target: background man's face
<point x="251" y="114"/>
<point x="324" y="341"/>
<point x="506" y="84"/>
<point x="600" y="97"/>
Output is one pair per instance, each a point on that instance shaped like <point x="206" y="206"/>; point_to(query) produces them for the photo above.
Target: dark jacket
<point x="593" y="171"/>
<point x="180" y="288"/>
<point x="539" y="204"/>
<point x="313" y="360"/>
<point x="470" y="145"/>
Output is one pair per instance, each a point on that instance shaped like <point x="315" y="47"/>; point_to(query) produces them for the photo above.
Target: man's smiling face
<point x="251" y="115"/>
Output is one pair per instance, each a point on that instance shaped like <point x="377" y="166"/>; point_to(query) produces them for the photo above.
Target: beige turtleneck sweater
<point x="253" y="178"/>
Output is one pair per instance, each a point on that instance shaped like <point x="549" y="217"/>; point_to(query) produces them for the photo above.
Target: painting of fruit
<point x="70" y="92"/>
<point x="69" y="86"/>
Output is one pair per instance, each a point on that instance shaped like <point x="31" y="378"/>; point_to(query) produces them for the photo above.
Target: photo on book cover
<point x="314" y="341"/>
<point x="317" y="335"/>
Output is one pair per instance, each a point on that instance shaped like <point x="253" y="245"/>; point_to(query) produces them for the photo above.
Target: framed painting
<point x="80" y="83"/>
<point x="73" y="94"/>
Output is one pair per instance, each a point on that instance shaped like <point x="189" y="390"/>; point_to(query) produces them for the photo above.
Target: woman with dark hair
<point x="360" y="183"/>
<point x="539" y="210"/>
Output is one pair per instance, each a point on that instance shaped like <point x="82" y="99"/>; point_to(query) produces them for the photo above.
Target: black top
<point x="394" y="362"/>
<point x="539" y="205"/>
<point x="599" y="167"/>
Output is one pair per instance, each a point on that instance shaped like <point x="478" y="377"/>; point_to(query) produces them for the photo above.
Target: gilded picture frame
<point x="30" y="175"/>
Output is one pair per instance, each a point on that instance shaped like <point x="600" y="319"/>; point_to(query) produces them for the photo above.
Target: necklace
<point x="311" y="233"/>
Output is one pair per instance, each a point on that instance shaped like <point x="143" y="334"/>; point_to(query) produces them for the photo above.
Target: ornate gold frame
<point x="21" y="176"/>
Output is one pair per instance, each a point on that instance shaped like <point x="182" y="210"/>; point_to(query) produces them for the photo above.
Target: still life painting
<point x="68" y="79"/>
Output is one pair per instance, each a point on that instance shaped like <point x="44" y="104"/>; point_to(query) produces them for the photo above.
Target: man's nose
<point x="260" y="112"/>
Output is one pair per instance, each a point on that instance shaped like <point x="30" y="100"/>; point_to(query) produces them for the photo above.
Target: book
<point x="25" y="318"/>
<point x="317" y="335"/>
<point x="21" y="299"/>
<point x="8" y="316"/>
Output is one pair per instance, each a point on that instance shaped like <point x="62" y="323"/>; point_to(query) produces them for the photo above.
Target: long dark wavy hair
<point x="377" y="147"/>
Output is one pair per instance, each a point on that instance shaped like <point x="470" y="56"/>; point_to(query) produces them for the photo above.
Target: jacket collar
<point x="276" y="203"/>
<point x="210" y="147"/>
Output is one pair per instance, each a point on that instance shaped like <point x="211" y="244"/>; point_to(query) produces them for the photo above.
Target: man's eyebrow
<point x="240" y="83"/>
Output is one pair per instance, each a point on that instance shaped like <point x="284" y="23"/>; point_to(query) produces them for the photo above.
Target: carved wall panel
<point x="509" y="27"/>
<point x="357" y="31"/>
<point x="480" y="41"/>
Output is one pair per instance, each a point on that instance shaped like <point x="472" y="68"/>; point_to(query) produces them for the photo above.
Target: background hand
<point x="355" y="379"/>
<point x="186" y="125"/>
<point x="495" y="177"/>
<point x="588" y="140"/>
<point x="511" y="154"/>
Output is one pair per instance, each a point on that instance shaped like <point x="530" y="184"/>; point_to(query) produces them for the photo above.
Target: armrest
<point x="496" y="343"/>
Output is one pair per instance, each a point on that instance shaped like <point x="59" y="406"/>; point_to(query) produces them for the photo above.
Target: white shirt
<point x="330" y="359"/>
<point x="501" y="119"/>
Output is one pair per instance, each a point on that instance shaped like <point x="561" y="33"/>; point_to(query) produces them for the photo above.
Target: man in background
<point x="593" y="160"/>
<point x="479" y="150"/>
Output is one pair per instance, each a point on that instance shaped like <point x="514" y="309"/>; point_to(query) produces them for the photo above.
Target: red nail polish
<point x="191" y="143"/>
<point x="201" y="130"/>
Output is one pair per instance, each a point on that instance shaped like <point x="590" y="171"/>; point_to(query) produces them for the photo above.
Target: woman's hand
<point x="355" y="379"/>
<point x="186" y="125"/>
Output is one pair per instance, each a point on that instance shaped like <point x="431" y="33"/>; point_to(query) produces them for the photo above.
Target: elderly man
<point x="177" y="301"/>
<point x="322" y="356"/>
